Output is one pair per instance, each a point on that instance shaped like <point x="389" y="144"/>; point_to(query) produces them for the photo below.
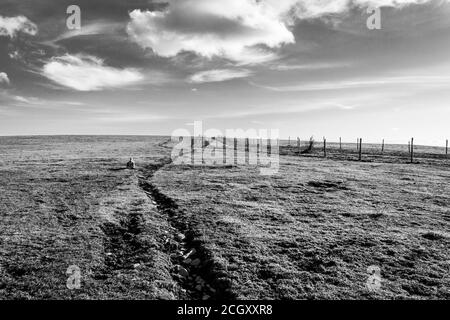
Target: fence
<point x="382" y="149"/>
<point x="243" y="150"/>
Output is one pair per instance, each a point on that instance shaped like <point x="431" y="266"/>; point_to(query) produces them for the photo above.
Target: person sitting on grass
<point x="131" y="164"/>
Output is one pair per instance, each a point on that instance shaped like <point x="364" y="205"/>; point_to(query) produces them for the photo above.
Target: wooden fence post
<point x="340" y="143"/>
<point x="412" y="150"/>
<point x="214" y="145"/>
<point x="357" y="144"/>
<point x="446" y="147"/>
<point x="224" y="148"/>
<point x="360" y="149"/>
<point x="298" y="145"/>
<point x="382" y="146"/>
<point x="192" y="150"/>
<point x="247" y="151"/>
<point x="324" y="147"/>
<point x="261" y="145"/>
<point x="257" y="151"/>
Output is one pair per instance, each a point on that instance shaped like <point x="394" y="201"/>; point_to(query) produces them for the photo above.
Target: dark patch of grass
<point x="433" y="236"/>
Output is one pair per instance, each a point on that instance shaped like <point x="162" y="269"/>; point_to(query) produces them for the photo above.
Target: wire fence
<point x="364" y="151"/>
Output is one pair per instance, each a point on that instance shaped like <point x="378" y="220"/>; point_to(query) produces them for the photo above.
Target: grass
<point x="61" y="206"/>
<point x="309" y="232"/>
<point x="312" y="231"/>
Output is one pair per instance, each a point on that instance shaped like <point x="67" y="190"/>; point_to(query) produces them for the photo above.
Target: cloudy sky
<point x="305" y="67"/>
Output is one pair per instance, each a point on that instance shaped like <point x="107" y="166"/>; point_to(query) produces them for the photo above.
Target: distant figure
<point x="131" y="164"/>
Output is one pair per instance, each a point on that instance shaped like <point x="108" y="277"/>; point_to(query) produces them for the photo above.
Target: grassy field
<point x="66" y="201"/>
<point x="167" y="231"/>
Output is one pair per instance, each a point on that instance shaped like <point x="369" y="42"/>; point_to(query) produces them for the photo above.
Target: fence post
<point x="412" y="150"/>
<point x="360" y="149"/>
<point x="382" y="146"/>
<point x="257" y="151"/>
<point x="261" y="146"/>
<point x="269" y="146"/>
<point x="446" y="147"/>
<point x="325" y="147"/>
<point x="298" y="145"/>
<point x="340" y="143"/>
<point x="247" y="151"/>
<point x="214" y="141"/>
<point x="192" y="150"/>
<point x="224" y="148"/>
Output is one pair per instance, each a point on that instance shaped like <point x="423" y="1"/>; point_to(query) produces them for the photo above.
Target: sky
<point x="304" y="67"/>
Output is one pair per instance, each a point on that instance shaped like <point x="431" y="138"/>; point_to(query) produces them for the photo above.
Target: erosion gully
<point x="194" y="270"/>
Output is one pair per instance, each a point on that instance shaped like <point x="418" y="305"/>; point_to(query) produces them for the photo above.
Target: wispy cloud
<point x="219" y="75"/>
<point x="40" y="102"/>
<point x="27" y="100"/>
<point x="10" y="26"/>
<point x="343" y="106"/>
<point x="72" y="103"/>
<point x="312" y="66"/>
<point x="92" y="29"/>
<point x="88" y="73"/>
<point x="360" y="83"/>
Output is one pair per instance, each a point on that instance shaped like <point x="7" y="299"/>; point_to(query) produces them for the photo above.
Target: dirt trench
<point x="194" y="270"/>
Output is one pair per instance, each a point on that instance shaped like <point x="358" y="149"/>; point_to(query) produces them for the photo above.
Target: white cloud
<point x="88" y="73"/>
<point x="4" y="78"/>
<point x="218" y="75"/>
<point x="232" y="29"/>
<point x="21" y="99"/>
<point x="10" y="26"/>
<point x="30" y="100"/>
<point x="15" y="55"/>
<point x="245" y="31"/>
<point x="344" y="106"/>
